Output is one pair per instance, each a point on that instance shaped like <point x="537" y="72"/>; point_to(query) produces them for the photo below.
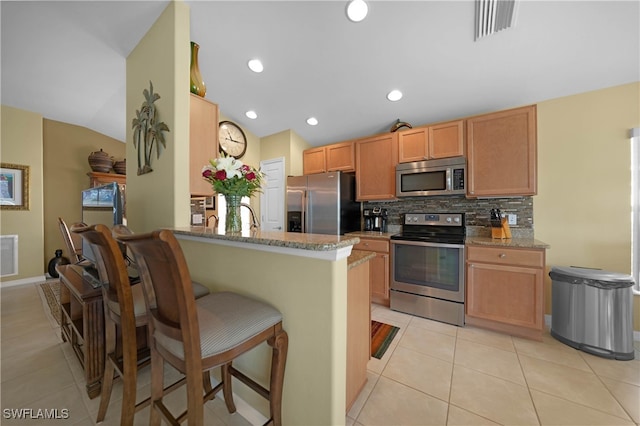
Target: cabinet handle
<point x="502" y="255"/>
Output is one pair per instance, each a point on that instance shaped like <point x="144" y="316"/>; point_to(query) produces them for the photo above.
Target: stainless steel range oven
<point x="427" y="267"/>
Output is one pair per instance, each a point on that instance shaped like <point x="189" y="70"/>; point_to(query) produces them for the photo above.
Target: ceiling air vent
<point x="494" y="15"/>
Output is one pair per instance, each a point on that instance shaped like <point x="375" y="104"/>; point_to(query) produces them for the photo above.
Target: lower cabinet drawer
<point x="372" y="245"/>
<point x="506" y="256"/>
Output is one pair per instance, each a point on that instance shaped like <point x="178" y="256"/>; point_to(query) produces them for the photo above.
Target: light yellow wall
<point x="312" y="295"/>
<point x="584" y="180"/>
<point x="161" y="198"/>
<point x="66" y="151"/>
<point x="277" y="145"/>
<point x="298" y="145"/>
<point x="21" y="143"/>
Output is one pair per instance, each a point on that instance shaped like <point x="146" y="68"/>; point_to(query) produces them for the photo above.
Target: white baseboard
<point x="249" y="413"/>
<point x="23" y="281"/>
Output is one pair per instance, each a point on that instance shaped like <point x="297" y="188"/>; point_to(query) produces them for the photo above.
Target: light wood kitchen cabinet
<point x="376" y="160"/>
<point x="358" y="330"/>
<point x="505" y="290"/>
<point x="340" y="157"/>
<point x="437" y="141"/>
<point x="412" y="145"/>
<point x="203" y="143"/>
<point x="314" y="160"/>
<point x="502" y="153"/>
<point x="446" y="139"/>
<point x="329" y="158"/>
<point x="378" y="268"/>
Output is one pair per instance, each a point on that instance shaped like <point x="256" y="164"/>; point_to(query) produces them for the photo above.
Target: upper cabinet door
<point x="437" y="141"/>
<point x="340" y="157"/>
<point x="412" y="145"/>
<point x="502" y="153"/>
<point x="376" y="160"/>
<point x="446" y="139"/>
<point x="203" y="143"/>
<point x="314" y="160"/>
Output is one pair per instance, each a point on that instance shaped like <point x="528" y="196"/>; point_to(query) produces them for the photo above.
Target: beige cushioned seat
<point x="226" y="320"/>
<point x="199" y="290"/>
<point x="139" y="307"/>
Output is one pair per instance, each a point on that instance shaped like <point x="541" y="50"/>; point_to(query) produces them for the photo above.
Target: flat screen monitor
<point x="103" y="204"/>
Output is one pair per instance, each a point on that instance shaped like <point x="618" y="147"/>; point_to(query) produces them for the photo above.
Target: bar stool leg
<point x="109" y="369"/>
<point x="227" y="392"/>
<point x="280" y="345"/>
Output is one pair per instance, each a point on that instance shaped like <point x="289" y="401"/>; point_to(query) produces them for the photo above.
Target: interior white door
<point x="272" y="199"/>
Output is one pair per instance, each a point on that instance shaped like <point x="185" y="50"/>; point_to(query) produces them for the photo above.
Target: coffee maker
<point x="375" y="219"/>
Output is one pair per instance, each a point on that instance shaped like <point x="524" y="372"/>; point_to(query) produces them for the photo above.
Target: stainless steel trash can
<point x="592" y="310"/>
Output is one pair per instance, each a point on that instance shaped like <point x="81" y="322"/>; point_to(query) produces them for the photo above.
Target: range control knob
<point x="456" y="219"/>
<point x="448" y="219"/>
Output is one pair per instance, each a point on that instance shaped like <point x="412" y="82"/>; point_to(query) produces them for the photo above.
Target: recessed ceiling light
<point x="251" y="114"/>
<point x="394" y="95"/>
<point x="255" y="65"/>
<point x="312" y="121"/>
<point x="357" y="10"/>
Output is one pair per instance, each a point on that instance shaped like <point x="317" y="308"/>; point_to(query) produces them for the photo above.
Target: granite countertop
<point x="370" y="234"/>
<point x="511" y="242"/>
<point x="295" y="240"/>
<point x="357" y="257"/>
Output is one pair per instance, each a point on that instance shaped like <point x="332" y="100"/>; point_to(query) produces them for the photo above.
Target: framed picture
<point x="210" y="203"/>
<point x="14" y="187"/>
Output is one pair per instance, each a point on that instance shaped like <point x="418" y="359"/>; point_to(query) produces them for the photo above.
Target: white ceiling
<point x="66" y="60"/>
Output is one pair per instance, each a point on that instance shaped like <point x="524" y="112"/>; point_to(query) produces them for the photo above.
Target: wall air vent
<point x="494" y="15"/>
<point x="8" y="255"/>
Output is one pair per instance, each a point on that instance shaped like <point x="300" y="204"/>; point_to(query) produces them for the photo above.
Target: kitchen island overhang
<point x="305" y="277"/>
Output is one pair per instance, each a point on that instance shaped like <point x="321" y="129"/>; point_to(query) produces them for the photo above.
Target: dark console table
<point x="82" y="323"/>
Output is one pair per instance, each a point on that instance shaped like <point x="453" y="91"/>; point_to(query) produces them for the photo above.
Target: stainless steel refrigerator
<point x="322" y="203"/>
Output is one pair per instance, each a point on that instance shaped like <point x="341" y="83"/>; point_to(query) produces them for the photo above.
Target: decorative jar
<point x="120" y="167"/>
<point x="58" y="260"/>
<point x="99" y="161"/>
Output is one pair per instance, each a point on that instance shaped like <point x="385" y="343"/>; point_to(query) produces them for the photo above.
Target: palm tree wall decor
<point x="148" y="133"/>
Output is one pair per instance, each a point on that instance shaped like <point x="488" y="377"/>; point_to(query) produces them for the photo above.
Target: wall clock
<point x="232" y="140"/>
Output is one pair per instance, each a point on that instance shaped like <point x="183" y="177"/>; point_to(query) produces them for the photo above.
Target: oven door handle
<point x="425" y="244"/>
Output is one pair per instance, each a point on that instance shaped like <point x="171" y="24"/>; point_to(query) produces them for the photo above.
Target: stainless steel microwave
<point x="444" y="176"/>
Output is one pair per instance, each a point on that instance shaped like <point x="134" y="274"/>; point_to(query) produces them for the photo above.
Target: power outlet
<point x="513" y="219"/>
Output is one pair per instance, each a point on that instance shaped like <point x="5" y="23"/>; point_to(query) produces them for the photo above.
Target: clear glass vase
<point x="233" y="221"/>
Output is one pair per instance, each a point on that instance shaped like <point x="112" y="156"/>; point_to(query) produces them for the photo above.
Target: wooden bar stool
<point x="75" y="254"/>
<point x="124" y="308"/>
<point x="197" y="335"/>
<point x="126" y="317"/>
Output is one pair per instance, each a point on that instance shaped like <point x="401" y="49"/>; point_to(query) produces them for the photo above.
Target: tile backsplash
<point x="476" y="210"/>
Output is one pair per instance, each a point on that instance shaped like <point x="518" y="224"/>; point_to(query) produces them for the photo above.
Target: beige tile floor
<point x="438" y="374"/>
<point x="39" y="371"/>
<point x="432" y="374"/>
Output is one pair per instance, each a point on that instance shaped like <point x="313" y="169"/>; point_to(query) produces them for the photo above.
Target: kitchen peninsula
<point x="305" y="277"/>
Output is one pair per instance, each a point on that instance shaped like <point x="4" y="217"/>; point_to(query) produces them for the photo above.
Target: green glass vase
<point x="233" y="221"/>
<point x="197" y="85"/>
